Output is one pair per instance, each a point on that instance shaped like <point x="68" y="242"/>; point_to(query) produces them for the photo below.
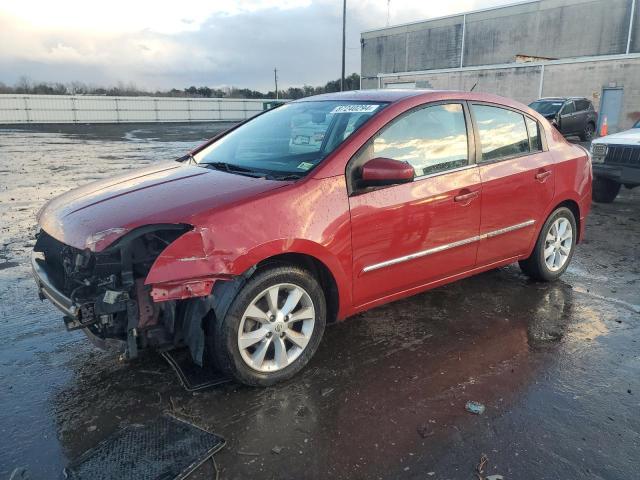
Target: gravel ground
<point x="556" y="365"/>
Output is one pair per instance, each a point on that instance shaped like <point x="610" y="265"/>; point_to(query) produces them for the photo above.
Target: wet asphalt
<point x="557" y="366"/>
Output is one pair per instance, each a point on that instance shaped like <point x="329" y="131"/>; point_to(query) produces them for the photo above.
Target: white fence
<point x="102" y="109"/>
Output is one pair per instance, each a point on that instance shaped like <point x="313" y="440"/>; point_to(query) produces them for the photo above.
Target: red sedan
<point x="307" y="214"/>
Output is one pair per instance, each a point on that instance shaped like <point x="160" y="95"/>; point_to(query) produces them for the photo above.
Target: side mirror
<point x="386" y="171"/>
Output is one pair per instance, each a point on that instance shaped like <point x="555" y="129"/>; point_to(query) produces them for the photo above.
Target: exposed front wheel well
<point x="318" y="269"/>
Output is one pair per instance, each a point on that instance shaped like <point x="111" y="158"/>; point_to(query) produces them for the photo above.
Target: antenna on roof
<point x="474" y="86"/>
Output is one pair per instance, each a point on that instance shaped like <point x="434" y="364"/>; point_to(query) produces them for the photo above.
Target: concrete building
<point x="525" y="51"/>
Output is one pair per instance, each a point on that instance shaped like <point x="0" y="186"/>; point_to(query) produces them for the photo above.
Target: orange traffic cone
<point x="604" y="128"/>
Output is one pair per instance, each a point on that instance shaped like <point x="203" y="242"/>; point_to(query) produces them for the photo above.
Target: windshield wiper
<point x="231" y="168"/>
<point x="237" y="169"/>
<point x="288" y="176"/>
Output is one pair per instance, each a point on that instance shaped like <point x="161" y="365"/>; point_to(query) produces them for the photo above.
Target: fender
<point x="559" y="198"/>
<point x="190" y="266"/>
<point x="575" y="183"/>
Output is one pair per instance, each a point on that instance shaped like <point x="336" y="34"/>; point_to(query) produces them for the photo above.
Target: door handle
<point x="466" y="197"/>
<point x="543" y="175"/>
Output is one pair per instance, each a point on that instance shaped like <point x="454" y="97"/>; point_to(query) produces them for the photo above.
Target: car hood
<point x="95" y="215"/>
<point x="628" y="137"/>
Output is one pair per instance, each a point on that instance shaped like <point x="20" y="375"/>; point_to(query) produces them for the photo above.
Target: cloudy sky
<point x="160" y="45"/>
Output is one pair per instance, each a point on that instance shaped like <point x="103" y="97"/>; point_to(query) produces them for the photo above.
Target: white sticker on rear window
<point x="355" y="109"/>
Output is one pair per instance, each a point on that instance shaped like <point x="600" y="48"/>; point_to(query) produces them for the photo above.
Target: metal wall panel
<point x="529" y="81"/>
<point x="552" y="28"/>
<point x="102" y="109"/>
<point x="544" y="28"/>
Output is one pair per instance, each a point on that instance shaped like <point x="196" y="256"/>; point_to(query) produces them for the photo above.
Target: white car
<point x="616" y="162"/>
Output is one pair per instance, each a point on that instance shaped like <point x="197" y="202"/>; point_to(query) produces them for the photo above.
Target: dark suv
<point x="572" y="115"/>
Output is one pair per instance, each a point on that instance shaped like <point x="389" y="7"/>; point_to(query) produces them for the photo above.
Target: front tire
<point x="272" y="328"/>
<point x="554" y="248"/>
<point x="605" y="190"/>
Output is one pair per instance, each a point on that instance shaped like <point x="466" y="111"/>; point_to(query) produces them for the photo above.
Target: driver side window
<point x="432" y="139"/>
<point x="569" y="107"/>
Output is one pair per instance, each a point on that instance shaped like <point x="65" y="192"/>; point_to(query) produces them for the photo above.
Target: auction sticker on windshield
<point x="305" y="166"/>
<point x="355" y="109"/>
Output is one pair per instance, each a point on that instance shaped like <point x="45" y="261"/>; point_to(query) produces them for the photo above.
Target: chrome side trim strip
<point x="518" y="226"/>
<point x="445" y="172"/>
<point x="447" y="246"/>
<point x="423" y="253"/>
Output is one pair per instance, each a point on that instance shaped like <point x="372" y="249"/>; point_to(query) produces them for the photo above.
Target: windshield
<point x="290" y="140"/>
<point x="637" y="125"/>
<point x="547" y="108"/>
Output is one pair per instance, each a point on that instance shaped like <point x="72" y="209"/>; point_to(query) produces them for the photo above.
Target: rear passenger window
<point x="502" y="132"/>
<point x="432" y="139"/>
<point x="582" y="105"/>
<point x="534" y="135"/>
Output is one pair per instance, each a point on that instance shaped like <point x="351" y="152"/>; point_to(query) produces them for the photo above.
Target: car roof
<point x="397" y="95"/>
<point x="417" y="96"/>
<point x="564" y="99"/>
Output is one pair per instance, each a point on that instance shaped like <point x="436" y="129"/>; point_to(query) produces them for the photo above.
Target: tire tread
<point x="222" y="343"/>
<point x="534" y="266"/>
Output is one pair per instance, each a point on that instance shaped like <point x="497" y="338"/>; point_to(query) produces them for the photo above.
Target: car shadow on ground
<point x="393" y="380"/>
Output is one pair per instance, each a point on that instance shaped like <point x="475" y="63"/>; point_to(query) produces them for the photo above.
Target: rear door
<point x="407" y="235"/>
<point x="583" y="114"/>
<point x="517" y="181"/>
<point x="569" y="122"/>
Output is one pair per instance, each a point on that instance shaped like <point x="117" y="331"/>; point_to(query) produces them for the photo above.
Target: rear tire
<point x="587" y="133"/>
<point x="272" y="328"/>
<point x="554" y="248"/>
<point x="605" y="190"/>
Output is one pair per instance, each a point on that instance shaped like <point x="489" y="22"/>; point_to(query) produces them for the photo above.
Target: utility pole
<point x="388" y="11"/>
<point x="344" y="25"/>
<point x="275" y="77"/>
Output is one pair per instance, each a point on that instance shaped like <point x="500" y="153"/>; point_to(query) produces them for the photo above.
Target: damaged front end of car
<point x="104" y="292"/>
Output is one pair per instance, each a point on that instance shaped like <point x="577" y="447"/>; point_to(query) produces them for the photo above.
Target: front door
<point x="405" y="236"/>
<point x="517" y="182"/>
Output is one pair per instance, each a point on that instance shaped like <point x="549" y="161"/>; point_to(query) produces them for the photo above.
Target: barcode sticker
<point x="355" y="109"/>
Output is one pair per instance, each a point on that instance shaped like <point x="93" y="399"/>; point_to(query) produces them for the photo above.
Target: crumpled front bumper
<point x="72" y="312"/>
<point x="47" y="289"/>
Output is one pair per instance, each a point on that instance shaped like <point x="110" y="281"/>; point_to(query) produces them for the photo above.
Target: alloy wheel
<point x="276" y="327"/>
<point x="558" y="244"/>
<point x="588" y="132"/>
